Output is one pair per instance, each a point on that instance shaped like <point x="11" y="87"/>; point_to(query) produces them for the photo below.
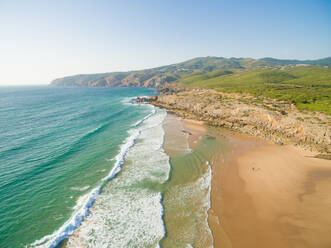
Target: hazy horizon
<point x="42" y="41"/>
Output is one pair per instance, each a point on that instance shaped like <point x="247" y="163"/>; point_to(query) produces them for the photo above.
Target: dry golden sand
<point x="266" y="195"/>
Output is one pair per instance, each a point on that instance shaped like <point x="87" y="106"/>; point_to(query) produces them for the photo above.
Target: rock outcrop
<point x="276" y="121"/>
<point x="146" y="99"/>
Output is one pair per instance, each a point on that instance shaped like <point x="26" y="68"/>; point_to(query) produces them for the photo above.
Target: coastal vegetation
<point x="159" y="76"/>
<point x="308" y="87"/>
<point x="306" y="84"/>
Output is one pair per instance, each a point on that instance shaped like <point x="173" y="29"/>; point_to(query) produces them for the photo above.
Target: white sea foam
<point x="146" y="117"/>
<point x="81" y="211"/>
<point x="129" y="212"/>
<point x="84" y="203"/>
<point x="120" y="157"/>
<point x="94" y="130"/>
<point x="208" y="182"/>
<point x="128" y="100"/>
<point x="196" y="193"/>
<point x="131" y="100"/>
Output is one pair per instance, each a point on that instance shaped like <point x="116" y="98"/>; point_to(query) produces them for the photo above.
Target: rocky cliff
<point x="276" y="121"/>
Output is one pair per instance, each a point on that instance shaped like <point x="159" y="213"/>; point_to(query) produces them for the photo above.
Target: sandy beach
<point x="267" y="195"/>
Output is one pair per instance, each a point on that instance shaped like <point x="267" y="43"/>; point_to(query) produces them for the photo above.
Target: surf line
<point x="84" y="203"/>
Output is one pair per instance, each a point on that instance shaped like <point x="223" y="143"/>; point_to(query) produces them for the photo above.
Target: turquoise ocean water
<point x="61" y="147"/>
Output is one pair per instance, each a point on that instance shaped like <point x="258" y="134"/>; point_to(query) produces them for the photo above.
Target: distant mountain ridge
<point x="321" y="62"/>
<point x="160" y="76"/>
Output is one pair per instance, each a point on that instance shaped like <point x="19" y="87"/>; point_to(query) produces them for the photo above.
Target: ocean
<point x="86" y="167"/>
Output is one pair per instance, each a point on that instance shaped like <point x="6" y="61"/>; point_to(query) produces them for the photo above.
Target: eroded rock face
<point x="279" y="122"/>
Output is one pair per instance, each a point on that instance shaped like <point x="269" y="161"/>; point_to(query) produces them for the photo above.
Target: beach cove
<point x="127" y="174"/>
<point x="227" y="189"/>
<point x="165" y="124"/>
<point x="263" y="194"/>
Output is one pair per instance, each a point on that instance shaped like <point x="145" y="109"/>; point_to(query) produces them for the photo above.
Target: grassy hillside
<point x="158" y="77"/>
<point x="309" y="88"/>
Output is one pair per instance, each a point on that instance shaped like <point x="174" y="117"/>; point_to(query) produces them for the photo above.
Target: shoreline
<point x="122" y="193"/>
<point x="283" y="125"/>
<point x="187" y="192"/>
<point x="61" y="236"/>
<point x="237" y="216"/>
<point x="265" y="195"/>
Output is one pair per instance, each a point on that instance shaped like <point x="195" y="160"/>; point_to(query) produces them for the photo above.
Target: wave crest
<point x="85" y="202"/>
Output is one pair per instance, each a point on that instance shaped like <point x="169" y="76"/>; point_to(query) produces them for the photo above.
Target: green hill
<point x="308" y="87"/>
<point x="158" y="77"/>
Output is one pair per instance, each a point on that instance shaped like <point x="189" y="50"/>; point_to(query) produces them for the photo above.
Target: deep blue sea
<point x="59" y="147"/>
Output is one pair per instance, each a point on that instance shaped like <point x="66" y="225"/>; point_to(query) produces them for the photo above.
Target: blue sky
<point x="42" y="40"/>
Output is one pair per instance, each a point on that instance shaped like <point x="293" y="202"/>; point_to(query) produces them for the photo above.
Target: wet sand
<point x="186" y="195"/>
<point x="266" y="195"/>
<point x="195" y="129"/>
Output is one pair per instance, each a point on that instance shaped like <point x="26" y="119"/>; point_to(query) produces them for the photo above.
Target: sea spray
<point x="129" y="212"/>
<point x="56" y="146"/>
<point x="85" y="202"/>
<point x="146" y="117"/>
<point x="82" y="210"/>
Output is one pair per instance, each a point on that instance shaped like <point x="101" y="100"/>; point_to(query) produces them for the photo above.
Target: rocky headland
<point x="186" y="89"/>
<point x="277" y="121"/>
